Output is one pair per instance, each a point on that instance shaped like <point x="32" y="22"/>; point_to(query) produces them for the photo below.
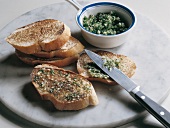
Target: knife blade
<point x="160" y="113"/>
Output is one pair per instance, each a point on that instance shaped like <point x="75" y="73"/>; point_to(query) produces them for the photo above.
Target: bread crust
<point x="59" y="62"/>
<point x="90" y="99"/>
<point x="70" y="48"/>
<point x="47" y="35"/>
<point x="58" y="42"/>
<point x="128" y="67"/>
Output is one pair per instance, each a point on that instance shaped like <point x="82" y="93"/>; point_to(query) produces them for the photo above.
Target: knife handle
<point x="160" y="113"/>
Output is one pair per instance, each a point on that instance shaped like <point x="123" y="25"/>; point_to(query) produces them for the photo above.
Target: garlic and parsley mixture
<point x="109" y="63"/>
<point x="108" y="23"/>
<point x="65" y="86"/>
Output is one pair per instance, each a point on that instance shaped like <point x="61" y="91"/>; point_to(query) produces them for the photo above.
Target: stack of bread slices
<point x="47" y="41"/>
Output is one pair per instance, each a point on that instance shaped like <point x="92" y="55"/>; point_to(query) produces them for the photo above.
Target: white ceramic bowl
<point x="106" y="41"/>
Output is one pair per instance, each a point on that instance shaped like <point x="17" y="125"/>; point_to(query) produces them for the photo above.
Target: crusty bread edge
<point x="59" y="42"/>
<point x="65" y="61"/>
<point x="62" y="52"/>
<point x="26" y="49"/>
<point x="59" y="63"/>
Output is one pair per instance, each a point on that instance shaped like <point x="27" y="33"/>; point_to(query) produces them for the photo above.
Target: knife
<point x="160" y="113"/>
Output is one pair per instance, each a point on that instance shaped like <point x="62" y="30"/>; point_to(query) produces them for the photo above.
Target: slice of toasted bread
<point x="125" y="64"/>
<point x="47" y="35"/>
<point x="70" y="48"/>
<point x="65" y="89"/>
<point x="59" y="62"/>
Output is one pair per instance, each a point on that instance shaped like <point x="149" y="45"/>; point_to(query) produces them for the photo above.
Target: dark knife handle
<point x="160" y="113"/>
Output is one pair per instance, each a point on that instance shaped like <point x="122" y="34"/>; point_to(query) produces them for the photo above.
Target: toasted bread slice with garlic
<point x="46" y="35"/>
<point x="89" y="70"/>
<point x="59" y="62"/>
<point x="70" y="48"/>
<point x="65" y="89"/>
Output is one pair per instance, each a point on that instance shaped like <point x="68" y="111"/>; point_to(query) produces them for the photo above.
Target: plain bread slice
<point x="70" y="48"/>
<point x="59" y="62"/>
<point x="47" y="35"/>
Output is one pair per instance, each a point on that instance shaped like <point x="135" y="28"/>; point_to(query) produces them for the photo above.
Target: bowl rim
<point x="130" y="11"/>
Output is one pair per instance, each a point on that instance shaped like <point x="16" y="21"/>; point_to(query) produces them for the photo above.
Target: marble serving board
<point x="147" y="45"/>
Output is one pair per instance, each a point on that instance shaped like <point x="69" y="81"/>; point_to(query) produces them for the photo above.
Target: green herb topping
<point x="95" y="71"/>
<point x="108" y="23"/>
<point x="109" y="63"/>
<point x="63" y="85"/>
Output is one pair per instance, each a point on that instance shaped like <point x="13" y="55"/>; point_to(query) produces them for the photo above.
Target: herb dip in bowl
<point x="117" y="19"/>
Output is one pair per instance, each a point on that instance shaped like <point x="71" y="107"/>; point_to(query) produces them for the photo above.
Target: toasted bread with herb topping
<point x="89" y="70"/>
<point x="65" y="89"/>
<point x="46" y="35"/>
